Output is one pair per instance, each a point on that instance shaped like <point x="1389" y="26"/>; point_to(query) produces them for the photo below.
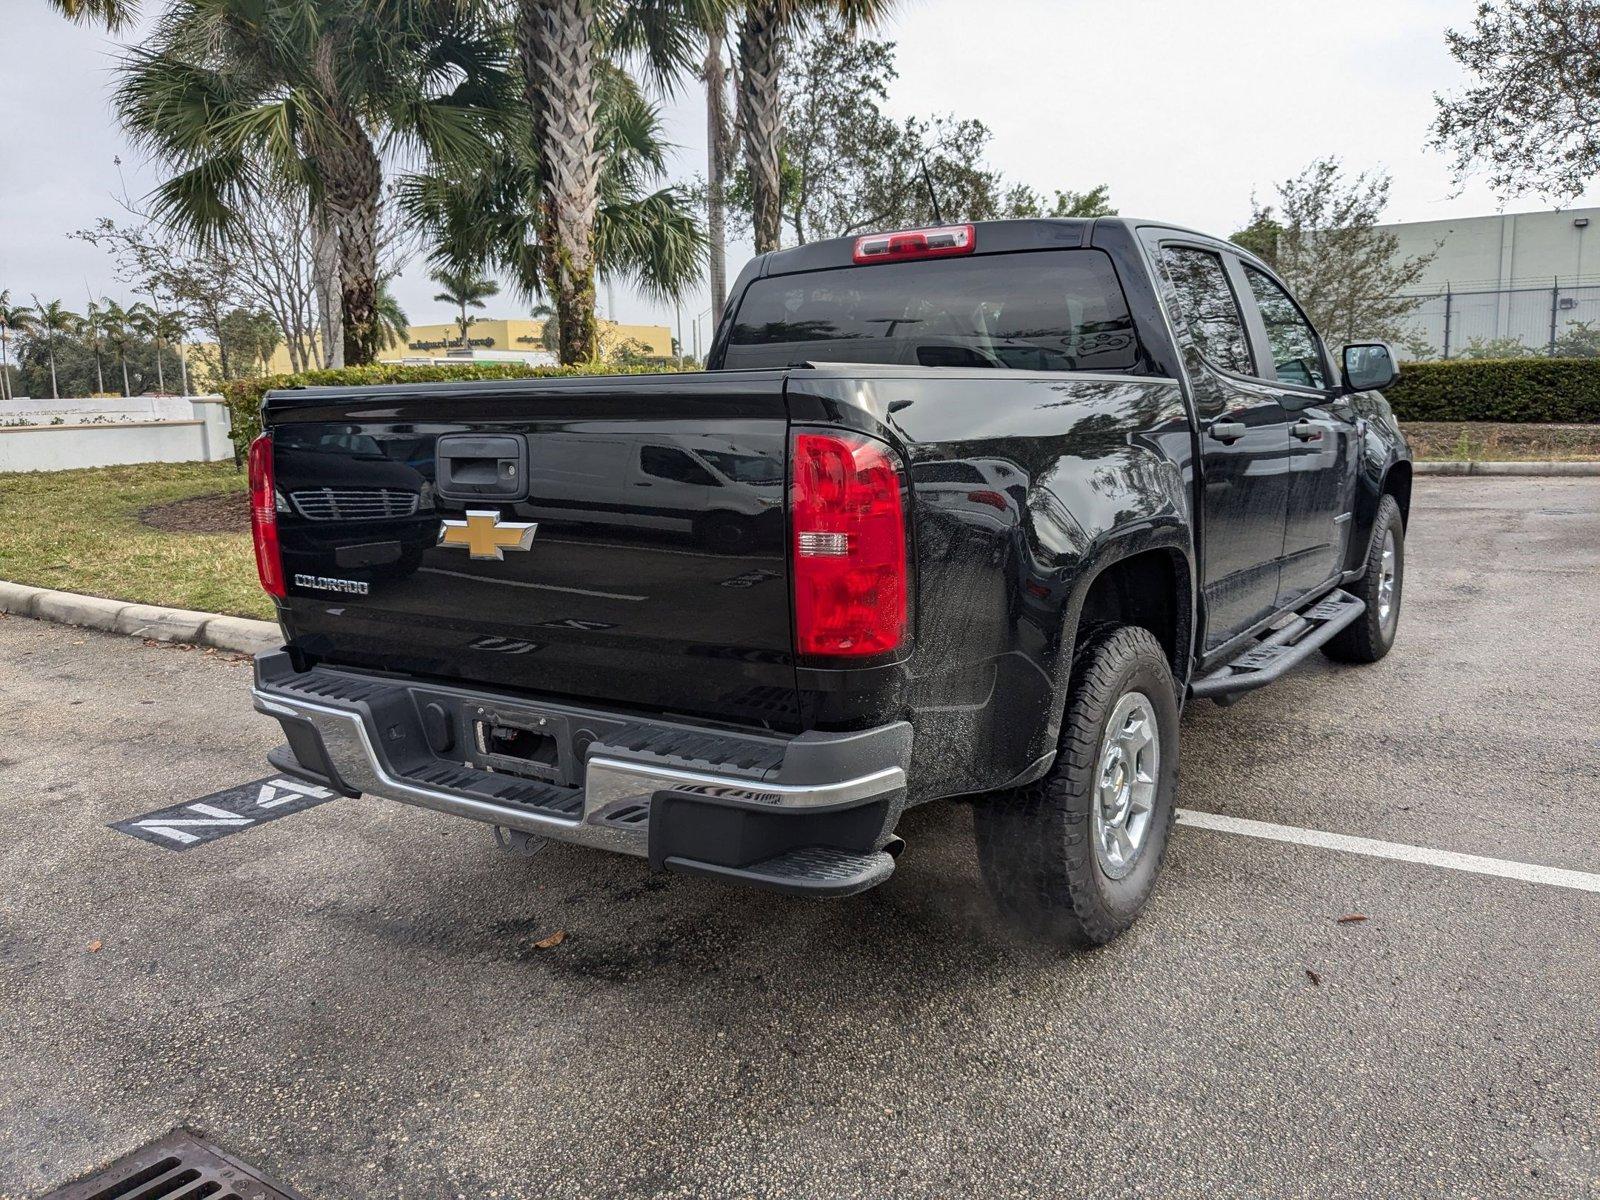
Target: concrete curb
<point x="140" y="620"/>
<point x="1506" y="468"/>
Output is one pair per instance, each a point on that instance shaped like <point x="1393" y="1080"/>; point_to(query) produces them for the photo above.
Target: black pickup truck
<point x="967" y="512"/>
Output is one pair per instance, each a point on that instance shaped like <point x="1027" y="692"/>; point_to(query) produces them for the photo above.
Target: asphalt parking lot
<point x="352" y="997"/>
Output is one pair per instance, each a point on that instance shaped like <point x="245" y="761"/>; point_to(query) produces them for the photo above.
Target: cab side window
<point x="1207" y="306"/>
<point x="1295" y="351"/>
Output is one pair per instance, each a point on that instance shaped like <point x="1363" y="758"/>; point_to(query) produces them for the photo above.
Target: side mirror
<point x="1368" y="366"/>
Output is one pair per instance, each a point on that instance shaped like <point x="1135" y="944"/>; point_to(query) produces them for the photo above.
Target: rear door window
<point x="1208" y="307"/>
<point x="1057" y="310"/>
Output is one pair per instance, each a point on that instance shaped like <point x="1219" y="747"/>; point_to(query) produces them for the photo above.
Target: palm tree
<point x="14" y="318"/>
<point x="113" y="14"/>
<point x="565" y="50"/>
<point x="497" y="219"/>
<point x="464" y="289"/>
<point x="146" y="322"/>
<point x="765" y="27"/>
<point x="549" y="330"/>
<point x="714" y="76"/>
<point x="392" y="321"/>
<point x="171" y="328"/>
<point x="54" y="319"/>
<point x="116" y="326"/>
<point x="94" y="333"/>
<point x="237" y="95"/>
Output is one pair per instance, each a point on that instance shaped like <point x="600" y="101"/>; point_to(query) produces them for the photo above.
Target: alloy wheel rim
<point x="1124" y="797"/>
<point x="1387" y="575"/>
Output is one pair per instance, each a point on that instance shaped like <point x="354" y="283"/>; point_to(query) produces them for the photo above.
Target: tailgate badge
<point x="485" y="535"/>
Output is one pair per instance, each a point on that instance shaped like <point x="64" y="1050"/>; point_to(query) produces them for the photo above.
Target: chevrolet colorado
<point x="968" y="511"/>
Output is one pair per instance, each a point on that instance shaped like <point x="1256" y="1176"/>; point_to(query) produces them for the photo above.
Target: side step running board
<point x="1280" y="649"/>
<point x="807" y="871"/>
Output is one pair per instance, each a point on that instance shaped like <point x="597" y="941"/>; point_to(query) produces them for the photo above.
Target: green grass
<point x="1496" y="441"/>
<point x="80" y="531"/>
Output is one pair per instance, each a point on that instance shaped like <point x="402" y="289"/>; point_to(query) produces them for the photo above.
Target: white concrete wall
<point x="78" y="410"/>
<point x="201" y="437"/>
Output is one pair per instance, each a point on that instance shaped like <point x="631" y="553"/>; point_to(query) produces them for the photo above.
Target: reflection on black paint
<point x="640" y="526"/>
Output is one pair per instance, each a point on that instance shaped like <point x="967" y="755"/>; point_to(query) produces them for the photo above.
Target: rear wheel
<point x="1074" y="856"/>
<point x="1371" y="636"/>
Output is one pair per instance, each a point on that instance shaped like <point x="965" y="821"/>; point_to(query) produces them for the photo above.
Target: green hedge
<point x="1498" y="389"/>
<point x="244" y="395"/>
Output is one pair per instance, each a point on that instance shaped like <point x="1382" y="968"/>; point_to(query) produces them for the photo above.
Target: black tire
<point x="1371" y="636"/>
<point x="1036" y="844"/>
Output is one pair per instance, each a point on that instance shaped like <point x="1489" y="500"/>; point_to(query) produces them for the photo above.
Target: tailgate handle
<point x="474" y="466"/>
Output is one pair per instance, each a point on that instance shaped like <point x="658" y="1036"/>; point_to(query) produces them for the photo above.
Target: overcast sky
<point x="1185" y="110"/>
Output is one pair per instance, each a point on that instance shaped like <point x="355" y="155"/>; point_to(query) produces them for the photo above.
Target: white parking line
<point x="1583" y="881"/>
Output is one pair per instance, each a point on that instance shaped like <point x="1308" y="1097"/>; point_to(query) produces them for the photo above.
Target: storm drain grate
<point x="179" y="1166"/>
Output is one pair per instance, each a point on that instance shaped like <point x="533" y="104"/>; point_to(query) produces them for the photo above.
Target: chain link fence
<point x="1542" y="320"/>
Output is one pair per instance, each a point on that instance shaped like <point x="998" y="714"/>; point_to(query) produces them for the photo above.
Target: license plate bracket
<point x="522" y="741"/>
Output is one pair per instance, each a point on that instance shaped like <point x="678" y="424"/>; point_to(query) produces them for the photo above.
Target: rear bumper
<point x="687" y="798"/>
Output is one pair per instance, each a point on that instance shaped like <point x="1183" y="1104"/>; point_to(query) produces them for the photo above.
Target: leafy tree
<point x="1529" y="113"/>
<point x="1323" y="239"/>
<point x="1096" y="202"/>
<point x="1581" y="340"/>
<point x="240" y="97"/>
<point x="1500" y="347"/>
<point x="497" y="220"/>
<point x="766" y="29"/>
<point x="54" y="320"/>
<point x="463" y="289"/>
<point x="846" y="165"/>
<point x="252" y="339"/>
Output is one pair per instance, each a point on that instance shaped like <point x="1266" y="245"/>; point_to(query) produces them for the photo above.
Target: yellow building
<point x="487" y="341"/>
<point x="497" y="339"/>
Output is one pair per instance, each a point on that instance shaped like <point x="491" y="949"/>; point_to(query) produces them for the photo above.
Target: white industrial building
<point x="1510" y="275"/>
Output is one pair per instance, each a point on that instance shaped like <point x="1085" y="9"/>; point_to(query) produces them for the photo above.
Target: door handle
<point x="1306" y="431"/>
<point x="1228" y="431"/>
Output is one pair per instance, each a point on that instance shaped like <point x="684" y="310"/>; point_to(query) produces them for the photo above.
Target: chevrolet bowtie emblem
<point x="485" y="535"/>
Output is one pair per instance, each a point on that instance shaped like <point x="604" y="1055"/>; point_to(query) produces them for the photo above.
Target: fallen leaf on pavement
<point x="551" y="942"/>
<point x="1352" y="918"/>
<point x="1314" y="977"/>
<point x="94" y="946"/>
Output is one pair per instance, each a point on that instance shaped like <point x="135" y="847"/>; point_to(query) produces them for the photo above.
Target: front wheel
<point x="1074" y="856"/>
<point x="1371" y="636"/>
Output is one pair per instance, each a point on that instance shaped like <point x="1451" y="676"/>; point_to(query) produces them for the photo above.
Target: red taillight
<point x="938" y="242"/>
<point x="992" y="499"/>
<point x="264" y="517"/>
<point x="848" y="546"/>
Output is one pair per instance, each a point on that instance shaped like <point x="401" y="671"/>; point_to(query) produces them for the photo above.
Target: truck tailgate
<point x="616" y="539"/>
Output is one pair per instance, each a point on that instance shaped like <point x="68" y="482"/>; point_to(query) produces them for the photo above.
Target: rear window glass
<point x="1056" y="310"/>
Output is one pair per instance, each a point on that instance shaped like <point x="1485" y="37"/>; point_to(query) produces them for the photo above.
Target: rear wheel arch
<point x="1151" y="589"/>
